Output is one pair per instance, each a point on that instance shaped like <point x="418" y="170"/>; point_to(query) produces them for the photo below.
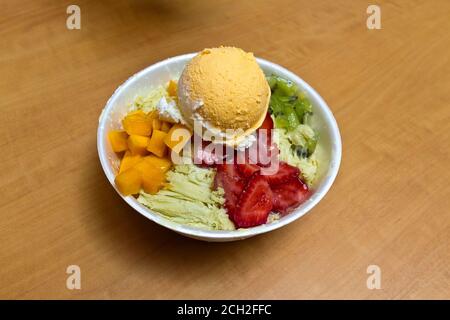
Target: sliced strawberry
<point x="254" y="204"/>
<point x="288" y="195"/>
<point x="267" y="150"/>
<point x="230" y="169"/>
<point x="267" y="123"/>
<point x="228" y="178"/>
<point x="266" y="127"/>
<point x="285" y="172"/>
<point x="247" y="169"/>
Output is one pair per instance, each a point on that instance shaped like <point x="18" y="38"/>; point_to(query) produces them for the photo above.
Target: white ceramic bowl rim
<point x="220" y="235"/>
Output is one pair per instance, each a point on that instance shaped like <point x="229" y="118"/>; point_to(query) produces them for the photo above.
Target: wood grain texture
<point x="390" y="205"/>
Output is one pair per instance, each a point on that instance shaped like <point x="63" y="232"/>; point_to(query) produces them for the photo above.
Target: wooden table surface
<point x="389" y="90"/>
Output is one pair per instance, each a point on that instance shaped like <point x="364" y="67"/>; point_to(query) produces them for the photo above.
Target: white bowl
<point x="159" y="74"/>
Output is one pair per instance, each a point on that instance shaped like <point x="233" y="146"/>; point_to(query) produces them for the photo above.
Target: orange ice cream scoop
<point x="225" y="91"/>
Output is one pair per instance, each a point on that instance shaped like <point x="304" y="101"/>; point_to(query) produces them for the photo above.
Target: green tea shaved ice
<point x="189" y="199"/>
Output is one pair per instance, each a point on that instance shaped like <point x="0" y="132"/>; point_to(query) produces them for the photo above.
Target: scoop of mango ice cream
<point x="224" y="88"/>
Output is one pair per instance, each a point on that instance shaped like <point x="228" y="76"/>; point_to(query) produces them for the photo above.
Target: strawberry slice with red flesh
<point x="247" y="169"/>
<point x="288" y="195"/>
<point x="254" y="204"/>
<point x="228" y="178"/>
<point x="285" y="173"/>
<point x="266" y="148"/>
<point x="267" y="123"/>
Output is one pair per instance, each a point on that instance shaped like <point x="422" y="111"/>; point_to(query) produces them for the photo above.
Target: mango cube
<point x="156" y="144"/>
<point x="138" y="123"/>
<point x="138" y="144"/>
<point x="153" y="180"/>
<point x="156" y="124"/>
<point x="118" y="140"/>
<point x="153" y="114"/>
<point x="129" y="182"/>
<point x="129" y="160"/>
<point x="152" y="170"/>
<point x="144" y="165"/>
<point x="165" y="126"/>
<point x="177" y="137"/>
<point x="172" y="88"/>
<point x="163" y="164"/>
